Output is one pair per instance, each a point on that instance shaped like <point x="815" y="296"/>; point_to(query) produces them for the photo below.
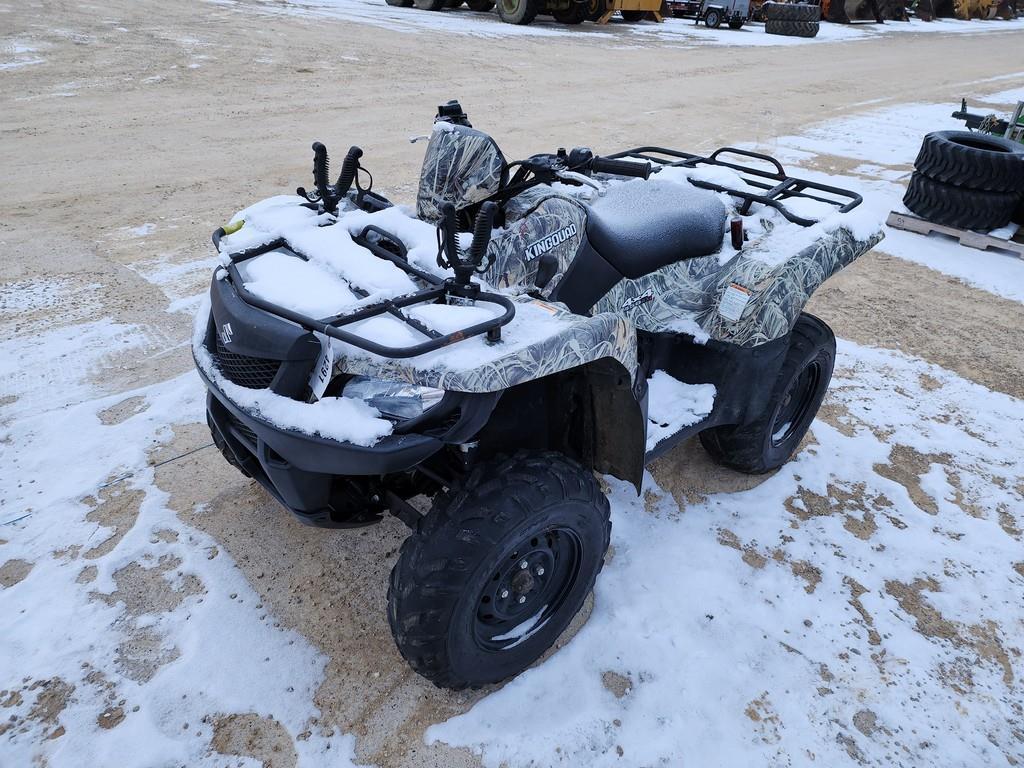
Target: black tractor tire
<point x="460" y="590"/>
<point x="1018" y="215"/>
<point x="518" y="11"/>
<point x="598" y="8"/>
<point x="958" y="206"/>
<point x="222" y="446"/>
<point x="400" y="3"/>
<point x="791" y="12"/>
<point x="972" y="160"/>
<point x="576" y="13"/>
<point x="736" y="24"/>
<point x="791" y="28"/>
<point x="429" y="5"/>
<point x="769" y="440"/>
<point x="452" y="4"/>
<point x="632" y="16"/>
<point x="713" y="19"/>
<point x="480" y="6"/>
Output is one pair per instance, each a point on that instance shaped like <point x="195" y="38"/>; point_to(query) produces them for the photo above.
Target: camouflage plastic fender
<point x="542" y="339"/>
<point x="687" y="296"/>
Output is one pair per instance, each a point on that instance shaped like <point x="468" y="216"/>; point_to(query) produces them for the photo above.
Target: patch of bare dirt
<point x="906" y="466"/>
<point x="618" y="684"/>
<point x="14" y="571"/>
<point x="117" y="508"/>
<point x="983" y="638"/>
<point x="260" y="738"/>
<point x="49" y="699"/>
<point x="123" y="410"/>
<point x="856" y="590"/>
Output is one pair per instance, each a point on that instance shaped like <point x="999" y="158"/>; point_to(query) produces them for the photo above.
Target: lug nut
<point x="524" y="565"/>
<point x="522" y="599"/>
<point x="540" y="570"/>
<point x="504" y="594"/>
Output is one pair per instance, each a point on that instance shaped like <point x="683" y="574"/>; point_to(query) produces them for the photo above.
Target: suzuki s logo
<point x="226" y="333"/>
<point x="545" y="244"/>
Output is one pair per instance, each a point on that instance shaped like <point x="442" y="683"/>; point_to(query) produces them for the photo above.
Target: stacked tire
<point x="967" y="180"/>
<point x="791" y="19"/>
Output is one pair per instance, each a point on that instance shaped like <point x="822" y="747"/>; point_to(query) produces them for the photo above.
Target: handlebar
<point x="621" y="167"/>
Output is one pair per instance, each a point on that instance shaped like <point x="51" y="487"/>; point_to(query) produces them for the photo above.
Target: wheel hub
<point x="528" y="587"/>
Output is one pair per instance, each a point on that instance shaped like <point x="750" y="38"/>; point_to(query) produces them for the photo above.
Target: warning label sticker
<point x="733" y="302"/>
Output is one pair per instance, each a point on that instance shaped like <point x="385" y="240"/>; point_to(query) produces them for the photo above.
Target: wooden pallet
<point x="982" y="242"/>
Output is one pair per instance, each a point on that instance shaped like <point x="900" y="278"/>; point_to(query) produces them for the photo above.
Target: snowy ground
<point x="860" y="606"/>
<point x="682" y="32"/>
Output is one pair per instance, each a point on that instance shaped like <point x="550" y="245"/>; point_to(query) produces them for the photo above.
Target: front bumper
<point x="301" y="470"/>
<point x="316" y="478"/>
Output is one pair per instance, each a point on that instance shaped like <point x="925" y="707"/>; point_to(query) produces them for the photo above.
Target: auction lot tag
<point x="321" y="375"/>
<point x="733" y="302"/>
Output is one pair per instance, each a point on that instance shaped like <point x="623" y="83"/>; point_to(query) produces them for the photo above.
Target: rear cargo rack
<point x="385" y="246"/>
<point x="777" y="185"/>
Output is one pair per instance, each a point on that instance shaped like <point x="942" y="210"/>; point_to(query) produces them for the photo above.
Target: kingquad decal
<point x="545" y="244"/>
<point x="636" y="301"/>
<point x="226" y="333"/>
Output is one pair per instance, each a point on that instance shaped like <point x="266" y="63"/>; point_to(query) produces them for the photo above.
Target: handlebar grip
<point x="321" y="168"/>
<point x="348" y="171"/>
<point x="482" y="232"/>
<point x="621" y="167"/>
<point x="448" y="253"/>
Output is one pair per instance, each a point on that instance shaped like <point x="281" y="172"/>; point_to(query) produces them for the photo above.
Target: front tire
<point x="497" y="571"/>
<point x="767" y="442"/>
<point x="429" y="5"/>
<point x="518" y="11"/>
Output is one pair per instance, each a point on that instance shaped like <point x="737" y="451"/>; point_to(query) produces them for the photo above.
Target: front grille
<point x="245" y="371"/>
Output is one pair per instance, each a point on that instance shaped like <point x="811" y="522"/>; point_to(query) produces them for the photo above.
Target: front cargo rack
<point x="777" y="185"/>
<point x="385" y="246"/>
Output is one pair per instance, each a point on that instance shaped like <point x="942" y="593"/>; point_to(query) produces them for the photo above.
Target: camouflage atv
<point x="534" y="323"/>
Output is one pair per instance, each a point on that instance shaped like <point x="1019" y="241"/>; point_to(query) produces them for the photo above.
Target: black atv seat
<point x="642" y="226"/>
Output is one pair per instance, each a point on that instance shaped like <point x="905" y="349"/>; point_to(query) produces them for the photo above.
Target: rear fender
<point x="779" y="293"/>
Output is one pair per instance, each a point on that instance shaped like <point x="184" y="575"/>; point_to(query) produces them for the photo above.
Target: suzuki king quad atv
<point x="534" y="323"/>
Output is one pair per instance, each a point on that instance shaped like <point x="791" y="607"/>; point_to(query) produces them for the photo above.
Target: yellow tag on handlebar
<point x="230" y="229"/>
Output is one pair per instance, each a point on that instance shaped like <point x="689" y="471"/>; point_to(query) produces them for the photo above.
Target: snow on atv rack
<point x="438" y="290"/>
<point x="783" y="187"/>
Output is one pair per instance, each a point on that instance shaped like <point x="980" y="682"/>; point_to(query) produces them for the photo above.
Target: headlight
<point x="394" y="399"/>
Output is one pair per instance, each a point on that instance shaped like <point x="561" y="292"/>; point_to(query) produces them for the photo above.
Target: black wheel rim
<point x="529" y="586"/>
<point x="796" y="404"/>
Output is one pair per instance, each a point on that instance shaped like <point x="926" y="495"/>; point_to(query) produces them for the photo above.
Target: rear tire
<point x="791" y="28"/>
<point x="713" y="19"/>
<point x="972" y="160"/>
<point x="429" y="5"/>
<point x="459" y="600"/>
<point x="518" y="11"/>
<point x="957" y="206"/>
<point x="736" y="24"/>
<point x="768" y="442"/>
